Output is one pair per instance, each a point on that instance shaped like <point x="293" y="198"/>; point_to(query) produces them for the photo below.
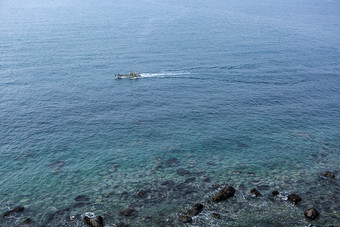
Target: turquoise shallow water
<point x="243" y="93"/>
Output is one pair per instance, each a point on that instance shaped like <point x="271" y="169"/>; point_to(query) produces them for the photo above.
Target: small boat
<point x="131" y="75"/>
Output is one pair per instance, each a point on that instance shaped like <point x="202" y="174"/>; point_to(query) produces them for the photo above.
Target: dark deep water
<point x="238" y="92"/>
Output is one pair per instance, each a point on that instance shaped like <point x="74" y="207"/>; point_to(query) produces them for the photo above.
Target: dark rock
<point x="215" y="215"/>
<point x="255" y="192"/>
<point x="122" y="224"/>
<point x="293" y="198"/>
<point x="27" y="221"/>
<point x="127" y="212"/>
<point x="182" y="172"/>
<point x="275" y="193"/>
<point x="141" y="193"/>
<point x="328" y="174"/>
<point x="223" y="194"/>
<point x="81" y="198"/>
<point x="198" y="206"/>
<point x="311" y="213"/>
<point x="96" y="221"/>
<point x="124" y="194"/>
<point x="15" y="210"/>
<point x="18" y="209"/>
<point x="196" y="209"/>
<point x="184" y="218"/>
<point x="193" y="212"/>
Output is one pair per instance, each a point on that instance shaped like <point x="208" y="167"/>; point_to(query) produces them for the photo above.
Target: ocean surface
<point x="245" y="93"/>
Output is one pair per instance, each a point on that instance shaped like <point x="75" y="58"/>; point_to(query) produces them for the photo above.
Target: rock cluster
<point x="223" y="193"/>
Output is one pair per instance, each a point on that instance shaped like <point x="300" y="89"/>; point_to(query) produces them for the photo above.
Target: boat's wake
<point x="164" y="74"/>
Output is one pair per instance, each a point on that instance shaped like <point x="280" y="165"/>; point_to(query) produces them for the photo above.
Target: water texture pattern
<point x="238" y="92"/>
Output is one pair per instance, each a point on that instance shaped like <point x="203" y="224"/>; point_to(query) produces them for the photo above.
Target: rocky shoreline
<point x="218" y="194"/>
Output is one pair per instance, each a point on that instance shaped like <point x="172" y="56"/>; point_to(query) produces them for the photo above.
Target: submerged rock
<point x="171" y="162"/>
<point x="81" y="198"/>
<point x="255" y="192"/>
<point x="167" y="183"/>
<point x="182" y="172"/>
<point x="275" y="193"/>
<point x="184" y="218"/>
<point x="263" y="187"/>
<point x="223" y="194"/>
<point x="124" y="194"/>
<point x="93" y="221"/>
<point x="27" y="221"/>
<point x="80" y="204"/>
<point x="311" y="213"/>
<point x="17" y="209"/>
<point x="141" y="193"/>
<point x="127" y="212"/>
<point x="207" y="180"/>
<point x="328" y="174"/>
<point x="56" y="166"/>
<point x="215" y="215"/>
<point x="189" y="180"/>
<point x="293" y="198"/>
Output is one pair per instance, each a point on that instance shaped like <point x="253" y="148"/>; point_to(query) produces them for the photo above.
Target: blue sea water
<point x="244" y="93"/>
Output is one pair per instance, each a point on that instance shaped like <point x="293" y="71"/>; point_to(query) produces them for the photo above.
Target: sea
<point x="240" y="93"/>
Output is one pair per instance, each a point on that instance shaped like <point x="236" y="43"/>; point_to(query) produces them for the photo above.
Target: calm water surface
<point x="238" y="92"/>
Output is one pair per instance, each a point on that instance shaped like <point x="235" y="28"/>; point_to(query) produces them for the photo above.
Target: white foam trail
<point x="163" y="74"/>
